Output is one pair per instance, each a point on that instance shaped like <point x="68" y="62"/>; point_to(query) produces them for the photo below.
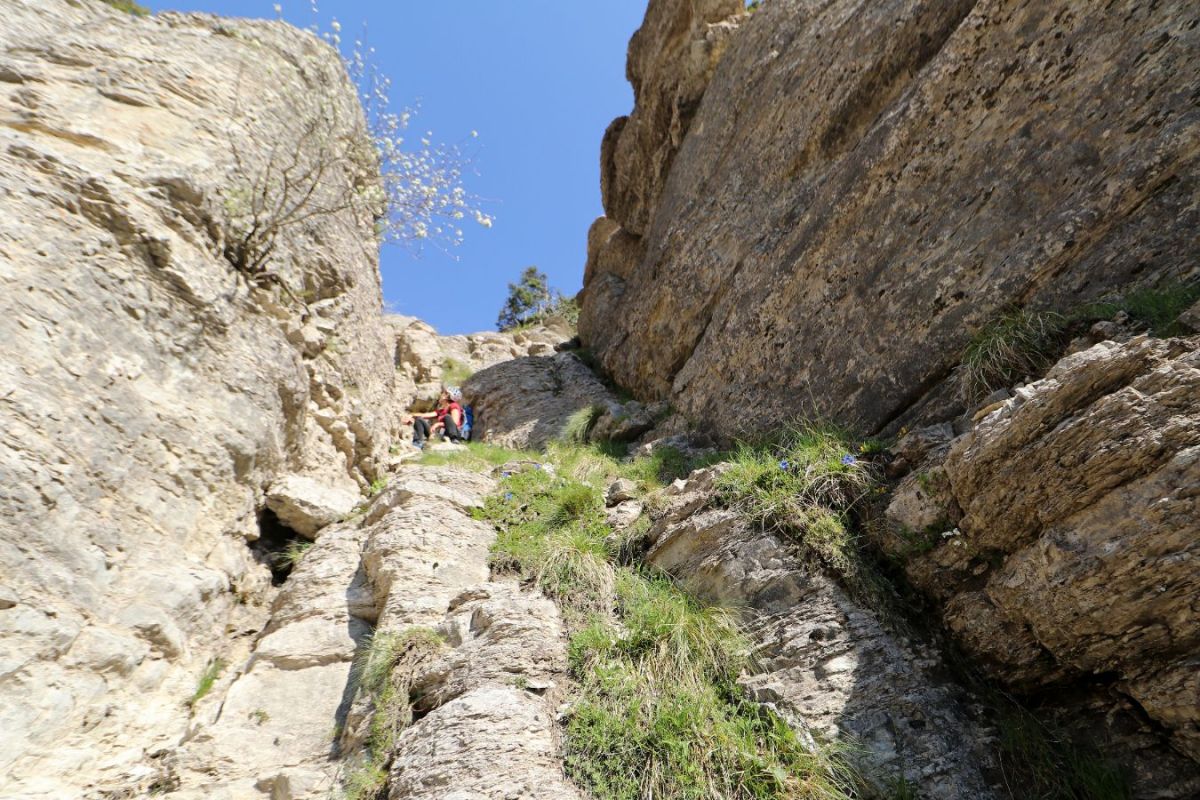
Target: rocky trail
<point x="414" y="559"/>
<point x="946" y="252"/>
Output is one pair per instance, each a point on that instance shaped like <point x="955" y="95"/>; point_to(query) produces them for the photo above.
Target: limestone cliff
<point x="813" y="214"/>
<point x="811" y="209"/>
<point x="865" y="184"/>
<point x="152" y="394"/>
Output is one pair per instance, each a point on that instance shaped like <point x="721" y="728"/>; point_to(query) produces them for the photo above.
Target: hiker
<point x="446" y="419"/>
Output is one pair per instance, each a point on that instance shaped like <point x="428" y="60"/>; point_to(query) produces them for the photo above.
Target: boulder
<point x="306" y="505"/>
<point x="150" y="387"/>
<point x="825" y="661"/>
<point x="526" y="402"/>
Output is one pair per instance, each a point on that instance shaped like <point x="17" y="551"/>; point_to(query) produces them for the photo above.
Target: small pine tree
<point x="528" y="300"/>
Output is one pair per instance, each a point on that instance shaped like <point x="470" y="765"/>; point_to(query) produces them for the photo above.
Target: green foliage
<point x="1156" y="308"/>
<point x="377" y="486"/>
<point x="600" y="463"/>
<point x="259" y="716"/>
<point x="129" y="7"/>
<point x="384" y="672"/>
<point x="808" y="473"/>
<point x="364" y="780"/>
<point x="293" y="554"/>
<point x="901" y="789"/>
<point x="579" y="425"/>
<point x="455" y="373"/>
<point x="1023" y="343"/>
<point x="804" y="486"/>
<point x="212" y="671"/>
<point x="528" y="299"/>
<point x="531" y="301"/>
<point x="657" y="711"/>
<point x="567" y="308"/>
<point x="1018" y="344"/>
<point x="1049" y="766"/>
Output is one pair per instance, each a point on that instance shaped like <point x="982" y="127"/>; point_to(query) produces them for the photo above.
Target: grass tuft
<point x="657" y="711"/>
<point x="208" y="678"/>
<point x="291" y="556"/>
<point x="805" y="485"/>
<point x="1047" y="764"/>
<point x="1020" y="343"/>
<point x="1023" y="343"/>
<point x="579" y="425"/>
<point x="455" y="373"/>
<point x="808" y="474"/>
<point x="1158" y="308"/>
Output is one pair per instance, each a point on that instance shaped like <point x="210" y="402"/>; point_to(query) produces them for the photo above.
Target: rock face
<point x="286" y="723"/>
<point x="150" y="392"/>
<point x="527" y="402"/>
<point x="671" y="59"/>
<point x="425" y="360"/>
<point x="826" y="663"/>
<point x="865" y="184"/>
<point x="1059" y="536"/>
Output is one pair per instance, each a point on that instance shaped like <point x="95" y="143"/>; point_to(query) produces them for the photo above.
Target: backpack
<point x="468" y="423"/>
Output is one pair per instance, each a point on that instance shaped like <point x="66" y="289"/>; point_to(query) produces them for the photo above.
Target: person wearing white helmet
<point x="446" y="419"/>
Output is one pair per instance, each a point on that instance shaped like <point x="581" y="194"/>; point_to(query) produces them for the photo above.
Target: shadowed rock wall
<point x="865" y="184"/>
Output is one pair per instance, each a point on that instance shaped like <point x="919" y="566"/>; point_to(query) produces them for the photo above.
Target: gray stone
<point x="527" y="402"/>
<point x="307" y="505"/>
<point x="495" y="741"/>
<point x="1190" y="319"/>
<point x="1077" y="528"/>
<point x="620" y="490"/>
<point x="148" y="391"/>
<point x="825" y="661"/>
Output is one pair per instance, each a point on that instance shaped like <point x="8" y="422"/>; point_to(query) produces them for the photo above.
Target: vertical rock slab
<point x="865" y="184"/>
<point x="1069" y="532"/>
<point x="149" y="391"/>
<point x="824" y="661"/>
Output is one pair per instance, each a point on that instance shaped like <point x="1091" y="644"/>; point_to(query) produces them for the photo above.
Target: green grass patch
<point x="208" y="678"/>
<point x="656" y="711"/>
<point x="1021" y="342"/>
<point x="455" y="373"/>
<point x="129" y="7"/>
<point x="1158" y="308"/>
<point x="477" y="457"/>
<point x="384" y="672"/>
<point x="805" y="486"/>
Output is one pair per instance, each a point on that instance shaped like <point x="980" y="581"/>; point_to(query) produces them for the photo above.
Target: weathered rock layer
<point x="152" y="391"/>
<point x="1059" y="536"/>
<point x="865" y="184"/>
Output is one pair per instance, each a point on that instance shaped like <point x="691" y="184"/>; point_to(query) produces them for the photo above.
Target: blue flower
<point x="508" y="496"/>
<point x="784" y="464"/>
<point x="505" y="474"/>
<point x="849" y="459"/>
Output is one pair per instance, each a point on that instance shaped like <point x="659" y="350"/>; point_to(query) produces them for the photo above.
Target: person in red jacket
<point x="446" y="419"/>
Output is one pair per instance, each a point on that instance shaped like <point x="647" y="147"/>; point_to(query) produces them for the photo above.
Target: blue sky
<point x="539" y="80"/>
